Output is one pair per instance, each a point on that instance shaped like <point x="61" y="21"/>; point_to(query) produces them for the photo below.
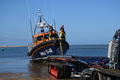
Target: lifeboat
<point x="46" y="42"/>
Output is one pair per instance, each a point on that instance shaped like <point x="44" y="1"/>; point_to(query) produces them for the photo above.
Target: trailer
<point x="93" y="68"/>
<point x="67" y="66"/>
<point x="105" y="74"/>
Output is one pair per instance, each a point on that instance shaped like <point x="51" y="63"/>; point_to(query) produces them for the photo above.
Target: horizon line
<point x="12" y="46"/>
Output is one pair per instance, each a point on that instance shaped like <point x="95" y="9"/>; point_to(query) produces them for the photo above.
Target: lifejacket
<point x="50" y="35"/>
<point x="62" y="35"/>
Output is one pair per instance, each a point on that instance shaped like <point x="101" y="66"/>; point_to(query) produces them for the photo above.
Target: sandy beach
<point x="22" y="76"/>
<point x="18" y="76"/>
<point x="37" y="71"/>
<point x="13" y="76"/>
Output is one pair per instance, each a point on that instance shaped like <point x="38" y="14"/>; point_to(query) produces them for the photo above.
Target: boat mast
<point x="39" y="13"/>
<point x="53" y="15"/>
<point x="29" y="18"/>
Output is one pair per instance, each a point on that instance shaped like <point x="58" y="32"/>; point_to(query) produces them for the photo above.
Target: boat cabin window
<point x="42" y="31"/>
<point x="39" y="38"/>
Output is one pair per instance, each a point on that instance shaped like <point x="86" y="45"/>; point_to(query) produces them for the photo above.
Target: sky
<point x="85" y="21"/>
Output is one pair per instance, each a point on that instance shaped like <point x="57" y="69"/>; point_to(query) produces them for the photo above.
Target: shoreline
<point x="12" y="46"/>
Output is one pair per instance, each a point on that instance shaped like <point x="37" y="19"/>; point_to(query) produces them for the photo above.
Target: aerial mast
<point x="53" y="15"/>
<point x="29" y="18"/>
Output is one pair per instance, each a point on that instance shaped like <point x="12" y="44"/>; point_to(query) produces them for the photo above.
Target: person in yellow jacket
<point x="50" y="32"/>
<point x="62" y="33"/>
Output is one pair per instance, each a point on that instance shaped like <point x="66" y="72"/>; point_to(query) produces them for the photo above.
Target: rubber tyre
<point x="96" y="76"/>
<point x="64" y="71"/>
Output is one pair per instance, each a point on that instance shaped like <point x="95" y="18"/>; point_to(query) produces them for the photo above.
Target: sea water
<point x="89" y="50"/>
<point x="15" y="59"/>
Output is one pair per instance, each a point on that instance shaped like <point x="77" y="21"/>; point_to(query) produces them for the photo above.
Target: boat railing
<point x="30" y="46"/>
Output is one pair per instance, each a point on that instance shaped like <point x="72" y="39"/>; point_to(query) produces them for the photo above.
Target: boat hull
<point x="53" y="47"/>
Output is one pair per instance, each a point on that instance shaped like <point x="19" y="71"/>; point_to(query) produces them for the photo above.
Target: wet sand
<point x="36" y="71"/>
<point x="19" y="76"/>
<point x="13" y="76"/>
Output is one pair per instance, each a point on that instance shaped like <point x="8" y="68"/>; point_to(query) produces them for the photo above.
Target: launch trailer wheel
<point x="96" y="76"/>
<point x="59" y="70"/>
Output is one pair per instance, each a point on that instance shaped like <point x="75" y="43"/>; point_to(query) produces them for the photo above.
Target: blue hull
<point x="44" y="49"/>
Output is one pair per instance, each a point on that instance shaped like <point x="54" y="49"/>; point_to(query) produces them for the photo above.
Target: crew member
<point x="50" y="32"/>
<point x="62" y="33"/>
